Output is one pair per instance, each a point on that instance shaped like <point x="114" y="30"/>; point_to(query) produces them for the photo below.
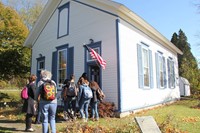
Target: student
<point x="71" y="95"/>
<point x="29" y="106"/>
<point x="83" y="98"/>
<point x="95" y="100"/>
<point x="48" y="105"/>
<point x="63" y="96"/>
<point x="38" y="116"/>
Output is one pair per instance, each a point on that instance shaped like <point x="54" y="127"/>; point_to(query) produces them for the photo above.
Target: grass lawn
<point x="180" y="117"/>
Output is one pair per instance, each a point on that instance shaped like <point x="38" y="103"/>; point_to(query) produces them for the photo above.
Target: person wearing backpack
<point x="95" y="100"/>
<point x="71" y="96"/>
<point x="63" y="96"/>
<point x="29" y="106"/>
<point x="47" y="91"/>
<point x="85" y="95"/>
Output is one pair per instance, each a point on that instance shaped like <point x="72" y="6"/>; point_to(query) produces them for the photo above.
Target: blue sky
<point x="169" y="16"/>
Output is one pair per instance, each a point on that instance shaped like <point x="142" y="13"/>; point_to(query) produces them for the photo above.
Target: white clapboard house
<point x="141" y="64"/>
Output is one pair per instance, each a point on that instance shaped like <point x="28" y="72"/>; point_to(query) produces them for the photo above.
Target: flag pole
<point x="84" y="45"/>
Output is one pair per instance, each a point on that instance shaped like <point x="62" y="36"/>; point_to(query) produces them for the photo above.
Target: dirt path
<point x="17" y="127"/>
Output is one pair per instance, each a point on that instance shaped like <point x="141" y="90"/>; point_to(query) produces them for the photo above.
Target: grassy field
<point x="180" y="117"/>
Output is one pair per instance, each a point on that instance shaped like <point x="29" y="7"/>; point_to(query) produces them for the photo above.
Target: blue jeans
<point x="94" y="106"/>
<point x="48" y="112"/>
<point x="38" y="116"/>
<point x="84" y="103"/>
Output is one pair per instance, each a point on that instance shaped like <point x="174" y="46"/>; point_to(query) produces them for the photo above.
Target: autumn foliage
<point x="106" y="109"/>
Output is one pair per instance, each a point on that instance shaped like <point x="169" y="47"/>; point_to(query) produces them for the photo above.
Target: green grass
<point x="10" y="95"/>
<point x="180" y="117"/>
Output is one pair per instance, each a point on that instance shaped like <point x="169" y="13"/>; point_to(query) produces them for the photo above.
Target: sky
<point x="169" y="16"/>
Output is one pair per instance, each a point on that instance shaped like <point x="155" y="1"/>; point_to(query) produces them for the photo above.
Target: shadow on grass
<point x="11" y="121"/>
<point x="10" y="129"/>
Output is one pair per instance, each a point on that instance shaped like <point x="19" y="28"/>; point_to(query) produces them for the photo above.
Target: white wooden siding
<point x="133" y="97"/>
<point x="85" y="23"/>
<point x="88" y="23"/>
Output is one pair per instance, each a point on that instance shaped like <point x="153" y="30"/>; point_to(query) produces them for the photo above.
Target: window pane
<point x="161" y="79"/>
<point x="89" y="58"/>
<point x="62" y="59"/>
<point x="40" y="65"/>
<point x="62" y="66"/>
<point x="146" y="77"/>
<point x="161" y="73"/>
<point x="171" y="74"/>
<point x="145" y="58"/>
<point x="62" y="76"/>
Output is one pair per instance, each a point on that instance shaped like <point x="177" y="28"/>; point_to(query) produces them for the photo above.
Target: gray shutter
<point x="70" y="62"/>
<point x="54" y="66"/>
<point x="165" y="75"/>
<point x="151" y="69"/>
<point x="140" y="67"/>
<point x="157" y="71"/>
<point x="173" y="73"/>
<point x="168" y="61"/>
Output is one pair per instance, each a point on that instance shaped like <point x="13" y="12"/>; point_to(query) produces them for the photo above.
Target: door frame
<point x="89" y="63"/>
<point x="38" y="67"/>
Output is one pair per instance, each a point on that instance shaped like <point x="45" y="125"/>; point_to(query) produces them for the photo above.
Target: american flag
<point x="97" y="57"/>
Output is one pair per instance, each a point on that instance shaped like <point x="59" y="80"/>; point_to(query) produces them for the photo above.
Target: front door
<point x="94" y="73"/>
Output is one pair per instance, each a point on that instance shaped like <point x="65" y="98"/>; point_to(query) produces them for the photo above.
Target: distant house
<point x="142" y="66"/>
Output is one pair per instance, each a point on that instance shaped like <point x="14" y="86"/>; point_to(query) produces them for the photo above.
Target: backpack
<point x="71" y="90"/>
<point x="87" y="92"/>
<point x="100" y="94"/>
<point x="24" y="93"/>
<point x="48" y="90"/>
<point x="63" y="92"/>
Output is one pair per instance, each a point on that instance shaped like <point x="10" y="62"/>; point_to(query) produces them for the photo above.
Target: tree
<point x="29" y="10"/>
<point x="188" y="65"/>
<point x="14" y="58"/>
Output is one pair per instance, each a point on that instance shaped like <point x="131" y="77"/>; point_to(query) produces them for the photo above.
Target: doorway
<point x="94" y="73"/>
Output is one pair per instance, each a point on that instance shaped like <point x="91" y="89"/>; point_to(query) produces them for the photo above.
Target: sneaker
<point x="30" y="130"/>
<point x="65" y="115"/>
<point x="92" y="119"/>
<point x="84" y="120"/>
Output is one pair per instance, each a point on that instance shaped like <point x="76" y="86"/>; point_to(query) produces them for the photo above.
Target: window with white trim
<point x="62" y="66"/>
<point x="41" y="65"/>
<point x="89" y="58"/>
<point x="171" y="73"/>
<point x="145" y="57"/>
<point x="145" y="68"/>
<point x="160" y="70"/>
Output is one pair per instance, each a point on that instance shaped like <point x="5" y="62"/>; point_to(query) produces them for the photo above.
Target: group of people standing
<point x="78" y="100"/>
<point x="85" y="94"/>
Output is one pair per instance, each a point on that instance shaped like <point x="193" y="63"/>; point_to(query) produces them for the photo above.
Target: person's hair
<point x="94" y="85"/>
<point x="72" y="76"/>
<point x="80" y="81"/>
<point x="66" y="81"/>
<point x="84" y="75"/>
<point x="45" y="74"/>
<point x="32" y="78"/>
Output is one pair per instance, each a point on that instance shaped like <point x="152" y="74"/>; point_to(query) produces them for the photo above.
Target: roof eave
<point x="148" y="29"/>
